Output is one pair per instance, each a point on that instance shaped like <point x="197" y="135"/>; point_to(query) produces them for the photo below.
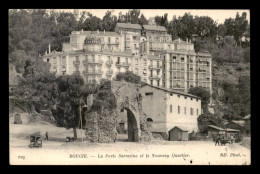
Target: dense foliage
<point x="202" y="93"/>
<point x="128" y="77"/>
<point x="208" y="119"/>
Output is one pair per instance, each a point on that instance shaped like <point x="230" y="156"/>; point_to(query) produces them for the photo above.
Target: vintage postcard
<point x="129" y="87"/>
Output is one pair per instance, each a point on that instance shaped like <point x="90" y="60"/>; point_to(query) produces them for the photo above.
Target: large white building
<point x="167" y="108"/>
<point x="147" y="51"/>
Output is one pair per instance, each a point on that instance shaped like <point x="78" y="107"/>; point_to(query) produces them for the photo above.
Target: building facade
<point x="167" y="108"/>
<point x="148" y="52"/>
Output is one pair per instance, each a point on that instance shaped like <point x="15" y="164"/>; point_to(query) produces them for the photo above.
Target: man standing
<point x="46" y="136"/>
<point x="217" y="140"/>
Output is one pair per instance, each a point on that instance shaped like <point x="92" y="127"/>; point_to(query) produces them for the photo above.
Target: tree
<point x="35" y="88"/>
<point x="66" y="23"/>
<point x="109" y="21"/>
<point x="81" y="20"/>
<point x="221" y="31"/>
<point x="202" y="93"/>
<point x="185" y="26"/>
<point x="121" y="18"/>
<point x="142" y="20"/>
<point x="128" y="77"/>
<point x="162" y="20"/>
<point x="208" y="119"/>
<point x="205" y="26"/>
<point x="172" y="28"/>
<point x="134" y="15"/>
<point x="92" y="23"/>
<point x="70" y="89"/>
<point x="236" y="27"/>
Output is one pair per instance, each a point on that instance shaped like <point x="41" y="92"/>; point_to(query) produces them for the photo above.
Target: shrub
<point x="128" y="77"/>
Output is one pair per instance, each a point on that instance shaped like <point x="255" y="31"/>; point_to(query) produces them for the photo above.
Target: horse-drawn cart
<point x="225" y="141"/>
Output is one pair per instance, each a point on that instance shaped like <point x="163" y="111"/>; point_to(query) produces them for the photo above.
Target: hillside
<point x="230" y="77"/>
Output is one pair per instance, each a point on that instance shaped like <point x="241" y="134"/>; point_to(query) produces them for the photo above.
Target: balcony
<point x="154" y="77"/>
<point x="100" y="62"/>
<point x="113" y="43"/>
<point x="76" y="63"/>
<point x="109" y="62"/>
<point x="122" y="64"/>
<point x="93" y="72"/>
<point x="154" y="67"/>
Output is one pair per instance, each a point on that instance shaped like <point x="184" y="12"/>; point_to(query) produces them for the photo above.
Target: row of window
<point x="157" y="82"/>
<point x="184" y="110"/>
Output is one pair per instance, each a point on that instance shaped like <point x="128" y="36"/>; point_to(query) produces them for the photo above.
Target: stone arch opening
<point x="131" y="126"/>
<point x="149" y="120"/>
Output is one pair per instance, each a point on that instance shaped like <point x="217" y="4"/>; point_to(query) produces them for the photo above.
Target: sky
<point x="218" y="15"/>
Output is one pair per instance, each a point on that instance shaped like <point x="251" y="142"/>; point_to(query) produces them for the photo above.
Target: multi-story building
<point x="148" y="52"/>
<point x="132" y="35"/>
<point x="109" y="40"/>
<point x="184" y="68"/>
<point x="167" y="108"/>
<point x="92" y="62"/>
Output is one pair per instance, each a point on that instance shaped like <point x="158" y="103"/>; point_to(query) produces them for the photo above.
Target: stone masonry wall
<point x="101" y="125"/>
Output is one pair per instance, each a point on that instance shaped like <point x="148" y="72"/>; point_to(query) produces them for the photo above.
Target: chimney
<point x="179" y="40"/>
<point x="190" y="40"/>
<point x="104" y="31"/>
<point x="187" y="40"/>
<point x="49" y="48"/>
<point x="97" y="31"/>
<point x="81" y="30"/>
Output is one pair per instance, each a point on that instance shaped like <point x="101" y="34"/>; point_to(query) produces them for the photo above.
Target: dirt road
<point x="57" y="151"/>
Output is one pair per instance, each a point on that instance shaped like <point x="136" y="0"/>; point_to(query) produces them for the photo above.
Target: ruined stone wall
<point x="127" y="95"/>
<point x="101" y="125"/>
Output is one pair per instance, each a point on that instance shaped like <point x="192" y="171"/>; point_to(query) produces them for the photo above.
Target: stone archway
<point x="133" y="129"/>
<point x="127" y="99"/>
<point x="102" y="126"/>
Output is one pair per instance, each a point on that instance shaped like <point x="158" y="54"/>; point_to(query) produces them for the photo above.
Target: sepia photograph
<point x="129" y="87"/>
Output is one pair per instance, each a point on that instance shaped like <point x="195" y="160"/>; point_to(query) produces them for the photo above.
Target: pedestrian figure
<point x="232" y="139"/>
<point x="46" y="136"/>
<point x="217" y="140"/>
